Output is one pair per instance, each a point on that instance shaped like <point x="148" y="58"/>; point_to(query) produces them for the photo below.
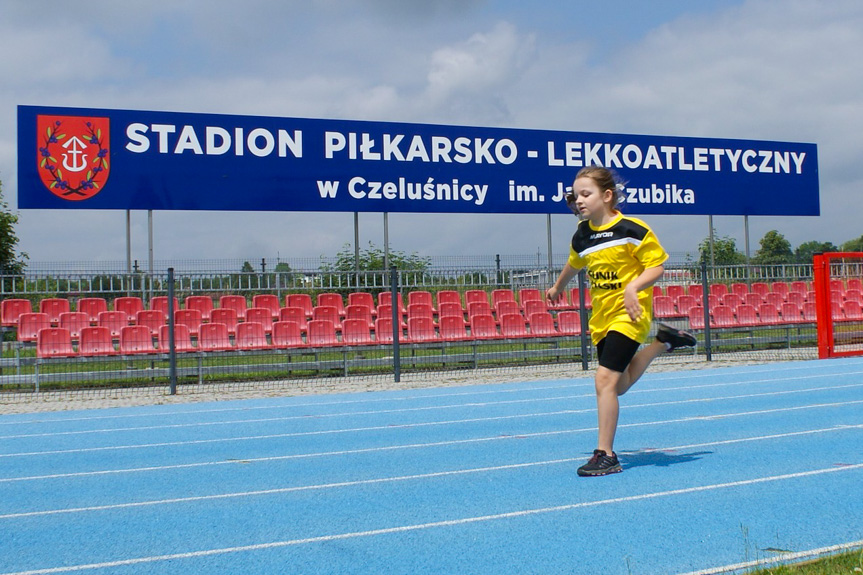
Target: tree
<point x="11" y="263"/>
<point x="775" y="249"/>
<point x="805" y="251"/>
<point x="852" y="245"/>
<point x="724" y="252"/>
<point x="372" y="259"/>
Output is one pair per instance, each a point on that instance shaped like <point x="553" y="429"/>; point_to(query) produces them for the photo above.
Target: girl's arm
<point x="566" y="274"/>
<point x="644" y="281"/>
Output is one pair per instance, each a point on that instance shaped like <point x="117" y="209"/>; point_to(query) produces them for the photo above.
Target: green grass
<point x="845" y="564"/>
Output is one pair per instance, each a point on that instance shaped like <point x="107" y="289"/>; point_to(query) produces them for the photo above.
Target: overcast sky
<point x="757" y="69"/>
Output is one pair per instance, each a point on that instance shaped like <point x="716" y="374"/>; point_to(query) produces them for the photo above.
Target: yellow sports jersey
<point x="614" y="255"/>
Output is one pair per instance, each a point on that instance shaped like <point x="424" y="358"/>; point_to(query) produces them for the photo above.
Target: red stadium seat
<point x="386" y="311"/>
<point x="740" y="289"/>
<point x="114" y="321"/>
<point x="54" y="306"/>
<point x="674" y="291"/>
<point x="29" y="325"/>
<point x="96" y="341"/>
<point x="768" y="314"/>
<point x="136" y="339"/>
<point x="696" y="318"/>
<point x="287" y="334"/>
<point x="360" y="312"/>
<point x="421" y="297"/>
<point x="718" y="289"/>
<point x="361" y="298"/>
<point x="92" y="306"/>
<point x="356" y="331"/>
<point x="327" y="313"/>
<point x="332" y="300"/>
<point x="386" y="298"/>
<point x="853" y="310"/>
<point x="191" y="318"/>
<point x="11" y="309"/>
<point x="683" y="303"/>
<point x="663" y="307"/>
<point x="747" y="315"/>
<point x="384" y="329"/>
<point x="542" y="325"/>
<point x="533" y="306"/>
<point x="449" y="296"/>
<point x="530" y="294"/>
<point x="506" y="307"/>
<point x="723" y="316"/>
<point x="512" y="325"/>
<point x="235" y="302"/>
<point x="576" y="302"/>
<point x="260" y="315"/>
<point x="269" y="302"/>
<point x="499" y="296"/>
<point x="202" y="303"/>
<point x="322" y="333"/>
<point x="182" y="339"/>
<point x="561" y="303"/>
<point x="478" y="307"/>
<point x="251" y="335"/>
<point x="296" y="315"/>
<point x="154" y="319"/>
<point x="302" y="301"/>
<point x="451" y="310"/>
<point x="160" y="303"/>
<point x="569" y="323"/>
<point x="225" y="316"/>
<point x="791" y="313"/>
<point x="760" y="288"/>
<point x="475" y="295"/>
<point x="130" y="305"/>
<point x="423" y="310"/>
<point x="483" y="326"/>
<point x="452" y="328"/>
<point x="732" y="300"/>
<point x="74" y="321"/>
<point x="54" y="342"/>
<point x="421" y="329"/>
<point x="214" y="337"/>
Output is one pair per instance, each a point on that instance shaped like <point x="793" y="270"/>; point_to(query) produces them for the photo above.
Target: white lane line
<point x="582" y="382"/>
<point x="430" y="475"/>
<point x="417" y="409"/>
<point x="448" y="443"/>
<point x="435" y="524"/>
<point x="782" y="558"/>
<point x="413" y="425"/>
<point x="281" y="490"/>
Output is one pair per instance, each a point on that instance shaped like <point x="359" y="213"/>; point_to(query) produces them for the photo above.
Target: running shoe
<point x="674" y="338"/>
<point x="600" y="464"/>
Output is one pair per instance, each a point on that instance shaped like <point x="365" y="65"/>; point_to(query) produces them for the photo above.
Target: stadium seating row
<point x="94" y="341"/>
<point x="11" y="309"/>
<point x="768" y="314"/>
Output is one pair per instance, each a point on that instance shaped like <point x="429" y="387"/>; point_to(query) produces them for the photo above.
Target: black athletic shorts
<point x="615" y="351"/>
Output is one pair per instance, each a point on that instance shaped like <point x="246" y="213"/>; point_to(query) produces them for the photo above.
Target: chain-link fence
<point x="96" y="332"/>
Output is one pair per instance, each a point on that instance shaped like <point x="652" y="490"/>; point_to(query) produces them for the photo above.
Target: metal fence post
<point x="705" y="299"/>
<point x="582" y="317"/>
<point x="172" y="344"/>
<point x="394" y="290"/>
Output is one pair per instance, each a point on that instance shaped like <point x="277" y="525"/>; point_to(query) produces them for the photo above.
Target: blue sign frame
<point x="86" y="158"/>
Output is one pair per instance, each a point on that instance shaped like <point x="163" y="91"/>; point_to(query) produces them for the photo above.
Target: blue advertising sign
<point x="147" y="160"/>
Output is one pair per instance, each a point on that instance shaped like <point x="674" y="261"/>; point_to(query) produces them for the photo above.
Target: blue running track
<point x="723" y="469"/>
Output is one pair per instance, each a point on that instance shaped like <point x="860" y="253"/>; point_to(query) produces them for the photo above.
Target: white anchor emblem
<point x="75" y="149"/>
